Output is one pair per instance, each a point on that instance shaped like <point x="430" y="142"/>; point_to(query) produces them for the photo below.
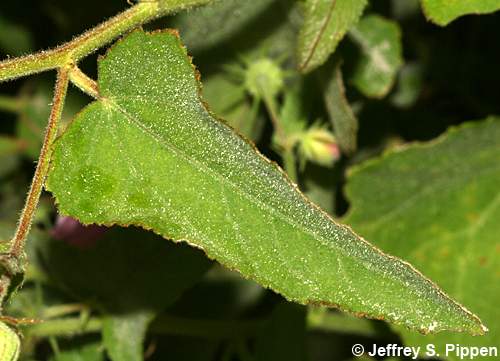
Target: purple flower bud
<point x="73" y="232"/>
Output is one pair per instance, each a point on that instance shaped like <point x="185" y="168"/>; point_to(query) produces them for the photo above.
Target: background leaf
<point x="442" y="202"/>
<point x="325" y="24"/>
<point x="148" y="153"/>
<point x="283" y="335"/>
<point x="381" y="48"/>
<point x="131" y="275"/>
<point x="344" y="122"/>
<point x="228" y="100"/>
<point x="217" y="22"/>
<point x="123" y="335"/>
<point x="442" y="12"/>
<point x="409" y="86"/>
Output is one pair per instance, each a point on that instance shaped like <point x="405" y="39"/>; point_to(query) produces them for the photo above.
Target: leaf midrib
<point x="195" y="162"/>
<point x="319" y="35"/>
<point x="133" y="120"/>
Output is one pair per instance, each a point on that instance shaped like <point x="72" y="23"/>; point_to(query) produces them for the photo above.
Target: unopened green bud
<point x="9" y="343"/>
<point x="264" y="78"/>
<point x="319" y="146"/>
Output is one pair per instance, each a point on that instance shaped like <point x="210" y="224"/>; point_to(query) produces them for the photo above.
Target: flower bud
<point x="319" y="146"/>
<point x="9" y="343"/>
<point x="264" y="79"/>
<point x="73" y="232"/>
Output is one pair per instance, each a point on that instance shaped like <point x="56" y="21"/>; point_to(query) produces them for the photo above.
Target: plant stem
<point x="289" y="164"/>
<point x="93" y="39"/>
<point x="318" y="320"/>
<point x="164" y="324"/>
<point x="83" y="82"/>
<point x="64" y="327"/>
<point x="273" y="114"/>
<point x="42" y="167"/>
<point x="62" y="310"/>
<point x="284" y="141"/>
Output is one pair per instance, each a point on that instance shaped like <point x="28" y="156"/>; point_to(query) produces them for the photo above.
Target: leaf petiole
<point x="83" y="82"/>
<point x="24" y="225"/>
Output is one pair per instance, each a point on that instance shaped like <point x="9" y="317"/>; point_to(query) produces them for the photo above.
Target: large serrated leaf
<point x="438" y="205"/>
<point x="325" y="24"/>
<point x="149" y="153"/>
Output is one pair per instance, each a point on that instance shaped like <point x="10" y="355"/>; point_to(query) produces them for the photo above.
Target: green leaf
<point x="325" y="24"/>
<point x="149" y="153"/>
<point x="344" y="122"/>
<point x="217" y="22"/>
<point x="437" y="204"/>
<point x="442" y="12"/>
<point x="380" y="43"/>
<point x="123" y="335"/>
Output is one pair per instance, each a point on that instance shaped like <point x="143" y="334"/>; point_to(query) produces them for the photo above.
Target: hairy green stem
<point x="24" y="225"/>
<point x="83" y="82"/>
<point x="270" y="104"/>
<point x="93" y="39"/>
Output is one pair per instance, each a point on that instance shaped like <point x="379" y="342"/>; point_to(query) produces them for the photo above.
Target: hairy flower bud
<point x="319" y="146"/>
<point x="264" y="78"/>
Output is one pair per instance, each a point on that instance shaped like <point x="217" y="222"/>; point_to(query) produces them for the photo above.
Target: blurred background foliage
<point x="125" y="294"/>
